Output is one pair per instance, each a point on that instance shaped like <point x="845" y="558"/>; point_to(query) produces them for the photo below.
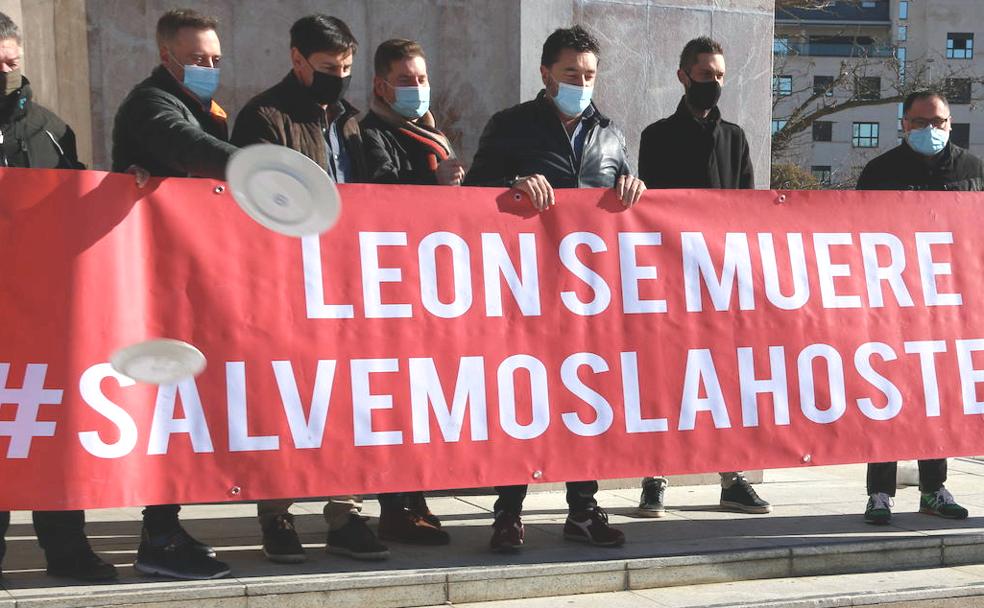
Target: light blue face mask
<point x="411" y="102"/>
<point x="929" y="141"/>
<point x="571" y="100"/>
<point x="201" y="81"/>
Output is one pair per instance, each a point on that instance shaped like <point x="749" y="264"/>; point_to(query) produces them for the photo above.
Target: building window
<point x="822" y="173"/>
<point x="901" y="114"/>
<point x="868" y="4"/>
<point x="958" y="90"/>
<point x="903" y="9"/>
<point x="900" y="57"/>
<point x="823" y="130"/>
<point x="780" y="45"/>
<point x="865" y="135"/>
<point x="782" y="86"/>
<point x="823" y="85"/>
<point x="960" y="135"/>
<point x="867" y="88"/>
<point x="903" y="33"/>
<point x="959" y="46"/>
<point x="777" y="125"/>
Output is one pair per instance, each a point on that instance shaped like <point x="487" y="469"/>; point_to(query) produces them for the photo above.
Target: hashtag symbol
<point x="29" y="398"/>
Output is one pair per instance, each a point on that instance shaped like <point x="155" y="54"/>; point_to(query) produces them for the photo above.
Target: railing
<point x="832" y="49"/>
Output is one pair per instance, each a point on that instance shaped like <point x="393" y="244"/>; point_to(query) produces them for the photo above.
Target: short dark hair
<point x="9" y="29"/>
<point x="172" y="22"/>
<point x="920" y="95"/>
<point x="703" y="44"/>
<point x="394" y="50"/>
<point x="576" y="38"/>
<point x="321" y="34"/>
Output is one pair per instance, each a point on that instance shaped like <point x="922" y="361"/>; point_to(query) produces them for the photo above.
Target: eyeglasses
<point x="922" y="123"/>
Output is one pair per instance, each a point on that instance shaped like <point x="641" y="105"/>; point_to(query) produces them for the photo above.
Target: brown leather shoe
<point x="404" y="526"/>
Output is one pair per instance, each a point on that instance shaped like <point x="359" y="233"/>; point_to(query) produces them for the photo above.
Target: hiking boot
<point x="280" y="542"/>
<point x="418" y="504"/>
<point x="507" y="533"/>
<point x="405" y="526"/>
<point x="356" y="540"/>
<point x="741" y="496"/>
<point x="941" y="503"/>
<point x="81" y="564"/>
<point x="591" y="526"/>
<point x="174" y="556"/>
<point x="651" y="502"/>
<point x="879" y="509"/>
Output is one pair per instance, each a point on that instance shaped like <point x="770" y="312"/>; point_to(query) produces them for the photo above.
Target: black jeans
<point x="580" y="497"/>
<point x="59" y="532"/>
<point x="881" y="476"/>
<point x="160" y="519"/>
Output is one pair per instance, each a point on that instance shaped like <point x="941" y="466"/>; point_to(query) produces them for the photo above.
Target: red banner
<point x="450" y="337"/>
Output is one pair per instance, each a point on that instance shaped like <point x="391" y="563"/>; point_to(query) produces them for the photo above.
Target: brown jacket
<point x="286" y="115"/>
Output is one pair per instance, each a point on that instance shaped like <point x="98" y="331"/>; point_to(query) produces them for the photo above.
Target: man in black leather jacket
<point x="558" y="140"/>
<point x="31" y="136"/>
<point x="925" y="160"/>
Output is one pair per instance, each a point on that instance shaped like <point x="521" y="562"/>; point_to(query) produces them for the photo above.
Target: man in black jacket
<point x="404" y="146"/>
<point x="169" y="125"/>
<point x="694" y="148"/>
<point x="925" y="160"/>
<point x="31" y="136"/>
<point x="307" y="112"/>
<point x="558" y="140"/>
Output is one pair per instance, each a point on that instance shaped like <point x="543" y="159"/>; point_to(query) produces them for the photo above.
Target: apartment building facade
<point x="860" y="55"/>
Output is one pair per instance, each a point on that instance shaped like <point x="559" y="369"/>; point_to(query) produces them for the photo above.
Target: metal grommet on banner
<point x="807" y="458"/>
<point x="781" y="199"/>
<point x="219" y="189"/>
<point x="235" y="490"/>
<point x="517" y="197"/>
<point x="537" y="474"/>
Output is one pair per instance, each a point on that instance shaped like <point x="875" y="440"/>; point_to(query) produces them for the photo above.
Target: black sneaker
<point x="188" y="539"/>
<point x="591" y="526"/>
<point x="741" y="497"/>
<point x="417" y="503"/>
<point x="175" y="557"/>
<point x="507" y="533"/>
<point x="280" y="542"/>
<point x="81" y="564"/>
<point x="651" y="502"/>
<point x="356" y="540"/>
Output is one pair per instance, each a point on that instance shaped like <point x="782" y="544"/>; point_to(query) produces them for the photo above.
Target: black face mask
<point x="328" y="89"/>
<point x="703" y="95"/>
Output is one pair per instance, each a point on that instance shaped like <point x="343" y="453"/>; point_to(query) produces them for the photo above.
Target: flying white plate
<point x="283" y="190"/>
<point x="160" y="361"/>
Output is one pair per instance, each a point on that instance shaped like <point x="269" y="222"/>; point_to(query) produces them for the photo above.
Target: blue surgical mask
<point x="411" y="102"/>
<point x="201" y="81"/>
<point x="571" y="100"/>
<point x="929" y="141"/>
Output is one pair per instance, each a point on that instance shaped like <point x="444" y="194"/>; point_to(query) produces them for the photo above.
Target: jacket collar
<point x="943" y="160"/>
<point x="683" y="113"/>
<point x="15" y="105"/>
<point x="592" y="114"/>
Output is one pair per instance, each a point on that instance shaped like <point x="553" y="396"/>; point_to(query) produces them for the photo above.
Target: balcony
<point x="832" y="49"/>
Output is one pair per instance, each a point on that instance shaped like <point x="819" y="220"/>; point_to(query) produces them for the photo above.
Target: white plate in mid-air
<point x="283" y="190"/>
<point x="159" y="361"/>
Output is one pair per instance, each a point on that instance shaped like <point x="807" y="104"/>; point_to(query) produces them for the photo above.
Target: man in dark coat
<point x="307" y="112"/>
<point x="558" y="140"/>
<point x="170" y="126"/>
<point x="695" y="148"/>
<point x="31" y="136"/>
<point x="925" y="160"/>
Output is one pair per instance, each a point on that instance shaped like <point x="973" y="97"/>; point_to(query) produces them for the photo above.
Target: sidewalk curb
<point x="409" y="588"/>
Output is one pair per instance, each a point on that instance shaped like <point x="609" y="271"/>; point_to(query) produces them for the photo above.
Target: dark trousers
<point x="160" y="519"/>
<point x="59" y="532"/>
<point x="396" y="501"/>
<point x="580" y="497"/>
<point x="881" y="476"/>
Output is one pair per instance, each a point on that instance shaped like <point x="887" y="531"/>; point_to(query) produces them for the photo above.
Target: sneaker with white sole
<point x="879" y="509"/>
<point x="941" y="504"/>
